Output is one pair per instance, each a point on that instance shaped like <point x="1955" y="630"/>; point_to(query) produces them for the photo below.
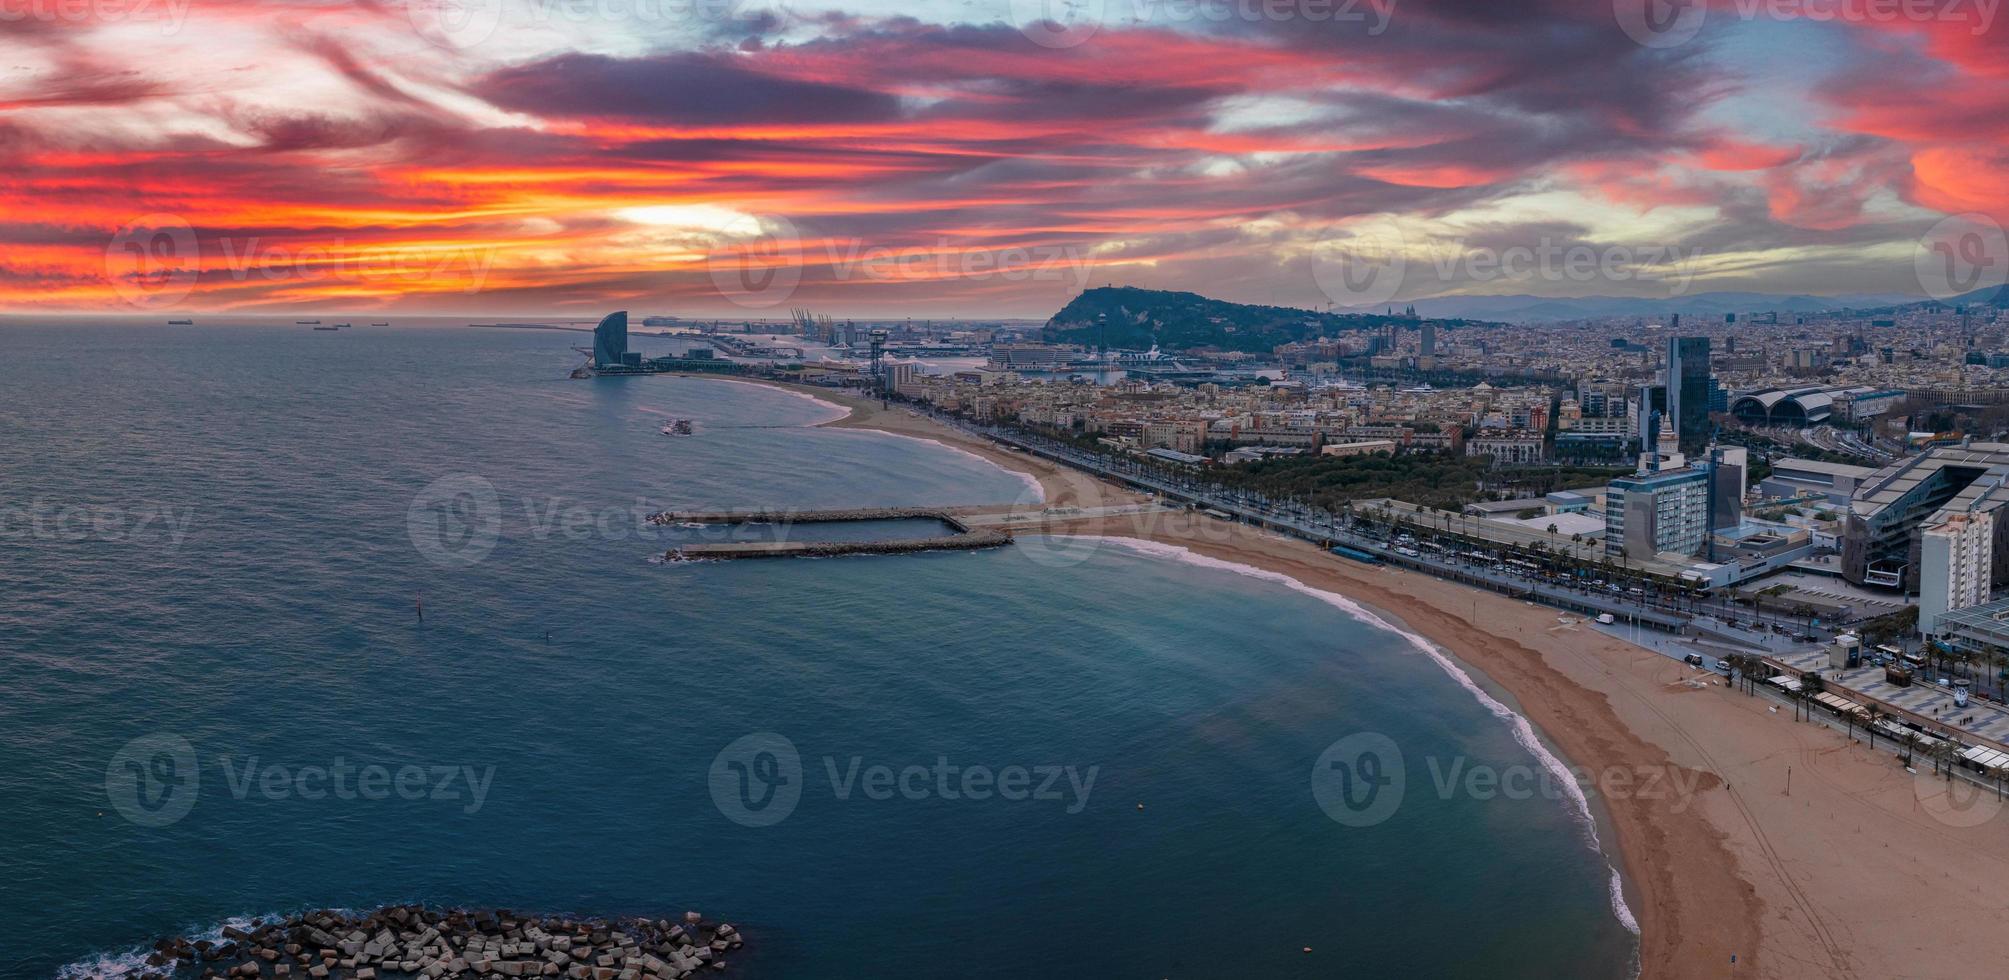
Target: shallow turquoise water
<point x="305" y="492"/>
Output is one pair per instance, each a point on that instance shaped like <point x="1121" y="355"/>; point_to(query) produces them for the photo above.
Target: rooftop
<point x="1892" y="483"/>
<point x="1988" y="622"/>
<point x="1822" y="467"/>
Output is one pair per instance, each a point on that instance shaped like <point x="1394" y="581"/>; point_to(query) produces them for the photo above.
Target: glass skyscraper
<point x="1688" y="391"/>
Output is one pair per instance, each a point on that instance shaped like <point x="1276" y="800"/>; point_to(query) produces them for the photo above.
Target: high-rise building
<point x="1649" y="513"/>
<point x="1688" y="390"/>
<point x="1664" y="507"/>
<point x="610" y="340"/>
<point x="1429" y="339"/>
<point x="1956" y="559"/>
<point x="1728" y="466"/>
<point x="1649" y="407"/>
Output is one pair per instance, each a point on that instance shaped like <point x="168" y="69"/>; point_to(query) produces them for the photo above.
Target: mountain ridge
<point x="1714" y="305"/>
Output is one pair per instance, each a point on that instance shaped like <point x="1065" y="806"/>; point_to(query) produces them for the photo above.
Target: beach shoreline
<point x="1749" y="871"/>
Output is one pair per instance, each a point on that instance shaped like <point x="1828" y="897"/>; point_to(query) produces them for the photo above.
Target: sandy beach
<point x="1750" y="844"/>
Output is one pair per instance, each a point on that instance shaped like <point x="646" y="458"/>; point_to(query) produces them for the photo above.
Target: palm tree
<point x="1942" y="755"/>
<point x="1810" y="685"/>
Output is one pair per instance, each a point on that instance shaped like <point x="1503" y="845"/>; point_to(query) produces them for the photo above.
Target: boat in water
<point x="680" y="427"/>
<point x="327" y="328"/>
<point x="181" y="323"/>
<point x="306" y="322"/>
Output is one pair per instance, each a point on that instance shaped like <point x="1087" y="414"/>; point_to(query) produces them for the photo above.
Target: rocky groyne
<point x="408" y="941"/>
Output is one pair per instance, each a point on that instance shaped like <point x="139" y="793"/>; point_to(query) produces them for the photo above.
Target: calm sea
<point x="221" y="700"/>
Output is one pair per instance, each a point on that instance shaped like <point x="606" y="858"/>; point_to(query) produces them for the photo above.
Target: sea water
<point x="297" y="619"/>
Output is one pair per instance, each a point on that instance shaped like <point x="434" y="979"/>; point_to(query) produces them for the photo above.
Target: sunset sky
<point x="968" y="158"/>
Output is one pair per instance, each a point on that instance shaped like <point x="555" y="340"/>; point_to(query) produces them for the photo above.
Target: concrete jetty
<point x="415" y="941"/>
<point x="963" y="539"/>
<point x="777" y="516"/>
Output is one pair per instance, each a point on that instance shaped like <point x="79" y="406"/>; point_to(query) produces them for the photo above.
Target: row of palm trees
<point x="1575" y="557"/>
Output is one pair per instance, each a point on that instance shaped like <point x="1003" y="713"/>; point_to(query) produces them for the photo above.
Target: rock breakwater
<point x="410" y="941"/>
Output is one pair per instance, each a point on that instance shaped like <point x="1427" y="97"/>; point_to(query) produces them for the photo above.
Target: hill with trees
<point x="1121" y="316"/>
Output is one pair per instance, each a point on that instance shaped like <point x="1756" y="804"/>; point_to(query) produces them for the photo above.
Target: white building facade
<point x="1956" y="558"/>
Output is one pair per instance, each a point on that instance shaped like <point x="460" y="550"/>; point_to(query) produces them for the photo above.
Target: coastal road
<point x="1321" y="526"/>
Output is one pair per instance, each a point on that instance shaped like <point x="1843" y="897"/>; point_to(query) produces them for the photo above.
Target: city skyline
<point x="731" y="159"/>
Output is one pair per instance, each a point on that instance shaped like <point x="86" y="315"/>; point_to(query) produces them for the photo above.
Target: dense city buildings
<point x="1840" y="445"/>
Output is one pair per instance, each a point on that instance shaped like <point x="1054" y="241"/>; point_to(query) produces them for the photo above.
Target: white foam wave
<point x="119" y="966"/>
<point x="1523" y="730"/>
